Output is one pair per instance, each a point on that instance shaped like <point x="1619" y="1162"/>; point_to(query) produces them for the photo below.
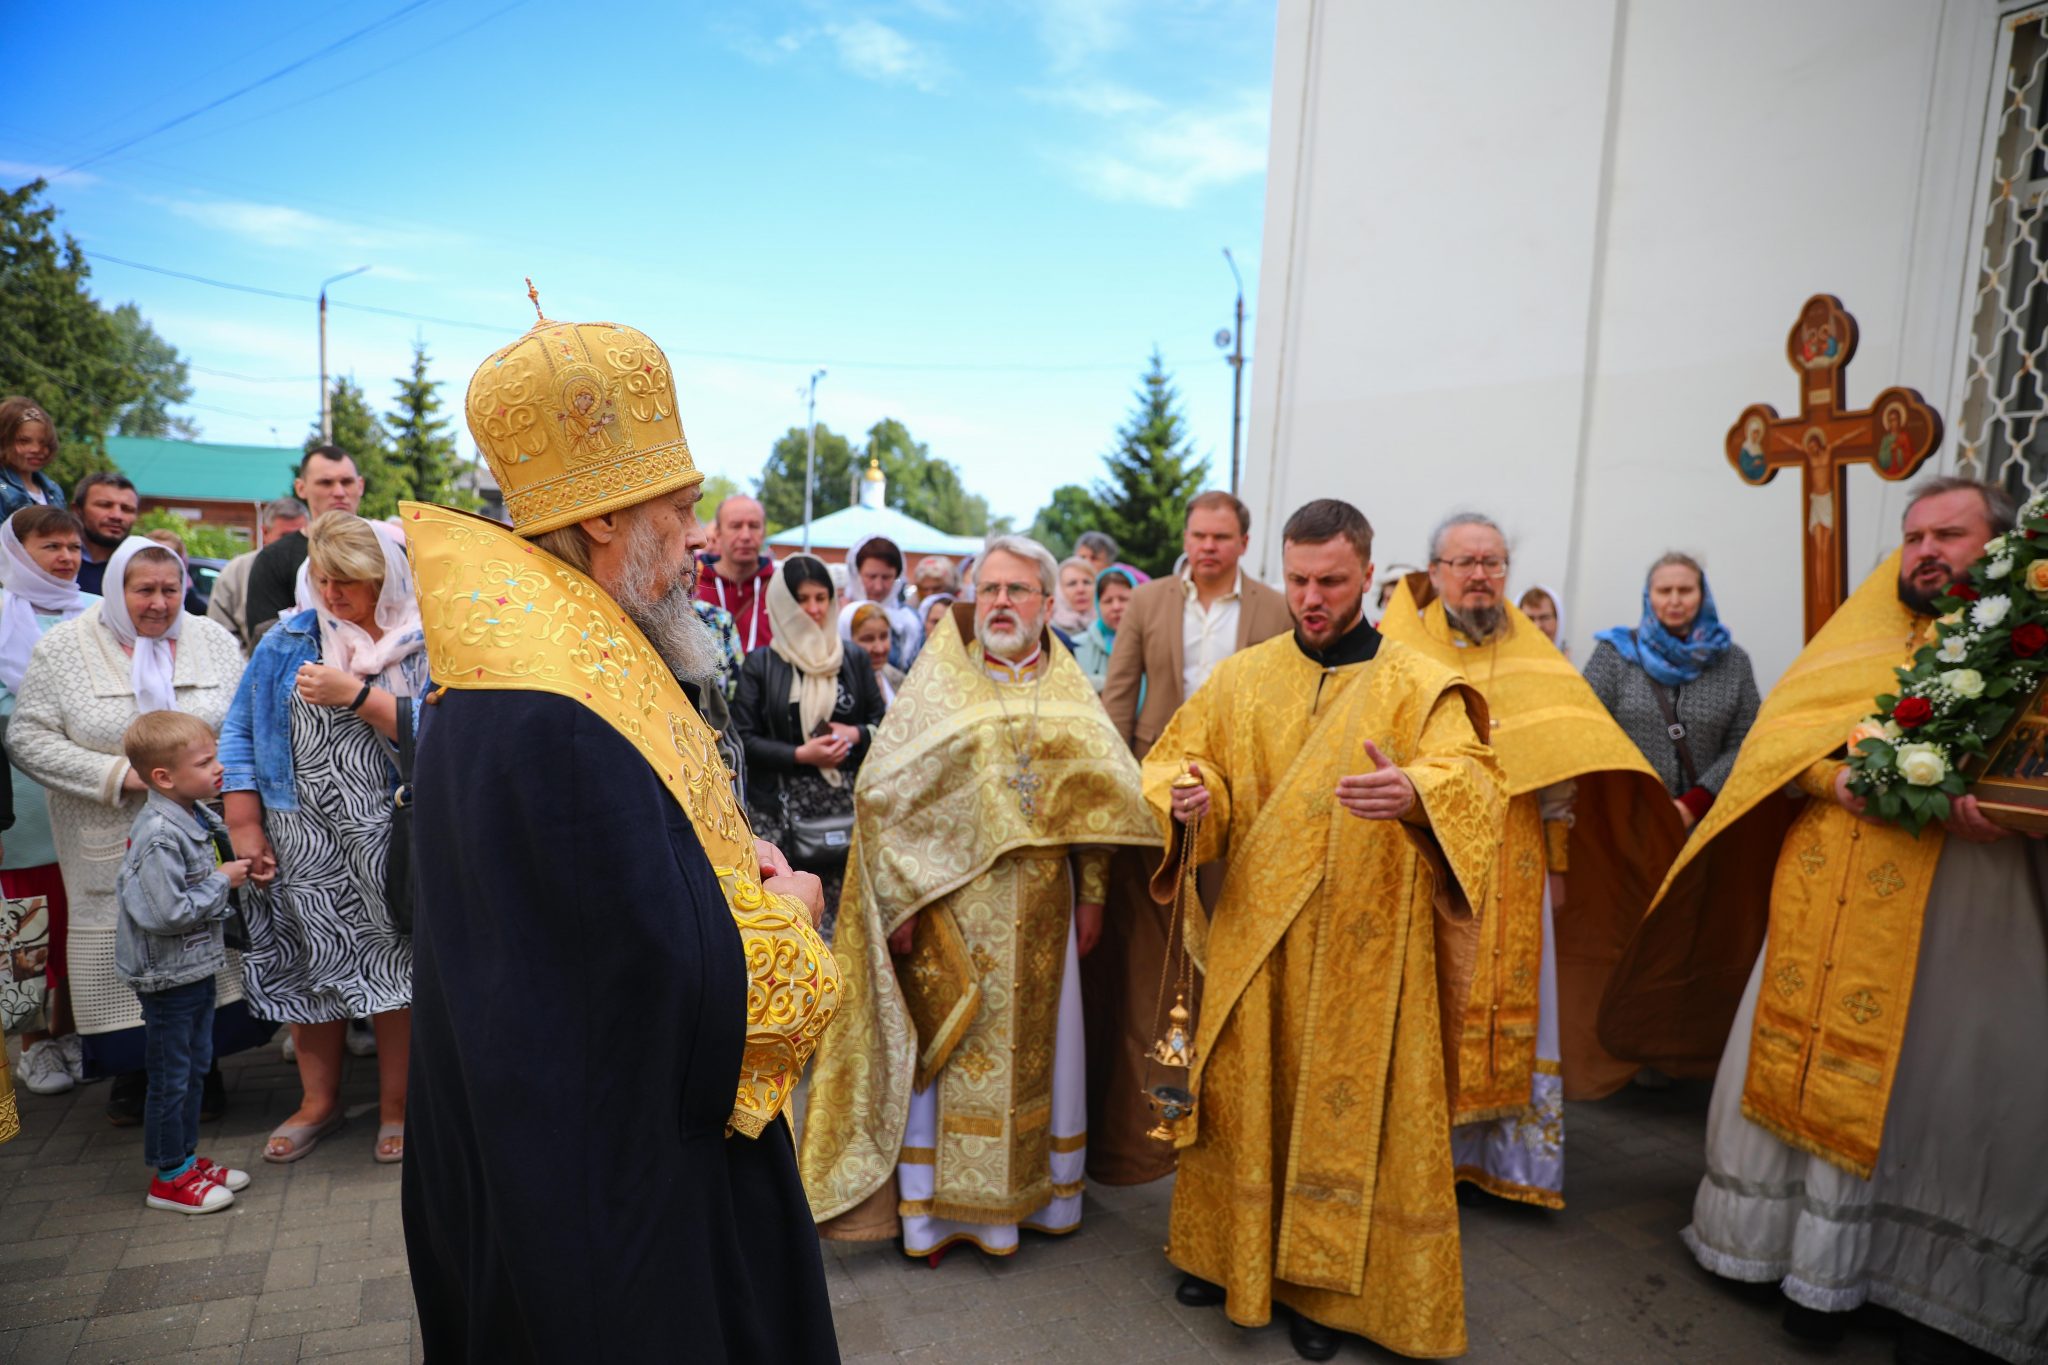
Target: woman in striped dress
<point x="310" y="768"/>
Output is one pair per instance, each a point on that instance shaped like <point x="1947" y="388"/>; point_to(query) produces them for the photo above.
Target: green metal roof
<point x="197" y="469"/>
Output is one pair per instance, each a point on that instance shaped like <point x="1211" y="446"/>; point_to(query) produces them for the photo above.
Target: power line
<point x="748" y="357"/>
<point x="256" y="84"/>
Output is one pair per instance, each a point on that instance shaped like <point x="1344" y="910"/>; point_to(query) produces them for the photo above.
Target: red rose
<point x="1965" y="592"/>
<point x="2029" y="640"/>
<point x="1913" y="712"/>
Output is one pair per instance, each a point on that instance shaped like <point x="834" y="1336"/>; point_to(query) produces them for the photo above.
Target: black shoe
<point x="1312" y="1340"/>
<point x="213" y="1096"/>
<point x="125" y="1097"/>
<point x="1810" y="1324"/>
<point x="1197" y="1293"/>
<point x="1919" y="1344"/>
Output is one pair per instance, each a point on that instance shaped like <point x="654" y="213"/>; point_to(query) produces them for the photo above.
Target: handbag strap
<point x="1674" y="727"/>
<point x="402" y="797"/>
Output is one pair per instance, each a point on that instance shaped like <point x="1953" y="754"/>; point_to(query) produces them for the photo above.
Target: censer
<point x="1172" y="1055"/>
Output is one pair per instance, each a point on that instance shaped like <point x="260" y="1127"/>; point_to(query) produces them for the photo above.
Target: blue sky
<point x="978" y="215"/>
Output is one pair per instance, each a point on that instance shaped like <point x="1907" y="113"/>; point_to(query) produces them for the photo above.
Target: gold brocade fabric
<point x="578" y="419"/>
<point x="500" y="614"/>
<point x="1843" y="900"/>
<point x="1550" y="727"/>
<point x="935" y="813"/>
<point x="1497" y="1052"/>
<point x="1316" y="1169"/>
<point x="10" y="1120"/>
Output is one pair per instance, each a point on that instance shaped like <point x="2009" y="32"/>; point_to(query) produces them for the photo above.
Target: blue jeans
<point x="177" y="1035"/>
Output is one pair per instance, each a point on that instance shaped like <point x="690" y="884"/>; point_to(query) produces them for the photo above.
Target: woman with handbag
<point x="310" y="758"/>
<point x="1682" y="689"/>
<point x="806" y="709"/>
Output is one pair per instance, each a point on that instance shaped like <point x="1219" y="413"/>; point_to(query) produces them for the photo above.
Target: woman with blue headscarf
<point x="1094" y="641"/>
<point x="1680" y="687"/>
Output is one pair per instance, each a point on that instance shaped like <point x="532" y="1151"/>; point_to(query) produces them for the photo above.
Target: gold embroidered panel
<point x="1497" y="1051"/>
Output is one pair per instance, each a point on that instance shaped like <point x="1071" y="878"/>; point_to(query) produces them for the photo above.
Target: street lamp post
<point x="1233" y="341"/>
<point x="810" y="455"/>
<point x="327" y="407"/>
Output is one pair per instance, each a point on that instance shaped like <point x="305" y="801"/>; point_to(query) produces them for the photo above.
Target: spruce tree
<point x="423" y="457"/>
<point x="1152" y="473"/>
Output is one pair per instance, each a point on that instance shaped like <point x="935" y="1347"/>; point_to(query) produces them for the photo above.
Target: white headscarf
<point x="904" y="623"/>
<point x="812" y="650"/>
<point x="1564" y="644"/>
<point x="348" y="647"/>
<point x="846" y="615"/>
<point x="151" y="659"/>
<point x="26" y="590"/>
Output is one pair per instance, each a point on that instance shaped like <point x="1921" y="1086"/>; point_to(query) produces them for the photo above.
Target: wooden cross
<point x="1894" y="435"/>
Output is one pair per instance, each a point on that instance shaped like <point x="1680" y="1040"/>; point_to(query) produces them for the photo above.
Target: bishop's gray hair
<point x="1024" y="547"/>
<point x="1453" y="522"/>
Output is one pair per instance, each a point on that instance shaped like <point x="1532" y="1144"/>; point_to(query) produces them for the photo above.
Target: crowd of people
<point x="948" y="825"/>
<point x="123" y="697"/>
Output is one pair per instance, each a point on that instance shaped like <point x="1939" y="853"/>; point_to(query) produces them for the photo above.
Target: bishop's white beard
<point x="1003" y="642"/>
<point x="670" y="623"/>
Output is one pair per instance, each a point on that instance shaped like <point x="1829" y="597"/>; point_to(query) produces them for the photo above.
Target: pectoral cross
<point x="1894" y="435"/>
<point x="1025" y="783"/>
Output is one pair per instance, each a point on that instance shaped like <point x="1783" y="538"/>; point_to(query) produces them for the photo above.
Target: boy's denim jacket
<point x="173" y="897"/>
<point x="256" y="737"/>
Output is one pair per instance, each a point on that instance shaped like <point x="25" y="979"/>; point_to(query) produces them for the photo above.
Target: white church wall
<point x="1534" y="259"/>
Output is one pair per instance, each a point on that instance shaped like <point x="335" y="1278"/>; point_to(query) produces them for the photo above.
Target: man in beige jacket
<point x="1178" y="628"/>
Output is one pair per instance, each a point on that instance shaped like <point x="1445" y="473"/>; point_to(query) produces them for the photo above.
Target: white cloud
<point x="20" y="172"/>
<point x="1104" y="99"/>
<point x="1150" y="154"/>
<point x="1074" y="32"/>
<point x="872" y="50"/>
<point x="283" y="225"/>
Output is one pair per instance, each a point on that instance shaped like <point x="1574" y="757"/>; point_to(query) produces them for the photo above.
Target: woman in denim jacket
<point x="309" y="759"/>
<point x="28" y="441"/>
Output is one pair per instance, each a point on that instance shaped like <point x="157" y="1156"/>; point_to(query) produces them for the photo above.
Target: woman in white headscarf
<point x="806" y="708"/>
<point x="1544" y="606"/>
<point x="310" y="766"/>
<point x="877" y="576"/>
<point x="133" y="651"/>
<point x="40" y="550"/>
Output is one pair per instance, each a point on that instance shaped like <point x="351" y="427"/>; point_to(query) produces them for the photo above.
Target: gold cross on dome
<point x="534" y="294"/>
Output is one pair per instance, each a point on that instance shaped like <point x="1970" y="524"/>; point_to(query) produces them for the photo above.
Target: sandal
<point x="303" y="1137"/>
<point x="385" y="1133"/>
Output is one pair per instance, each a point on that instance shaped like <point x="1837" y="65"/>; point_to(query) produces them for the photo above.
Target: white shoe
<point x="73" y="1048"/>
<point x="362" y="1040"/>
<point x="291" y="1049"/>
<point x="43" y="1070"/>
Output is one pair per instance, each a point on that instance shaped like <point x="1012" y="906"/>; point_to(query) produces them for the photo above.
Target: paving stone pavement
<point x="310" y="1262"/>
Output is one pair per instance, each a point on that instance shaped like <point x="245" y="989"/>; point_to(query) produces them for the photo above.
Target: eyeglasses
<point x="1493" y="566"/>
<point x="1014" y="592"/>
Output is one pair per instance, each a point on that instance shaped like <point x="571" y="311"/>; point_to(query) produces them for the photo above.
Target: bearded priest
<point x="614" y="986"/>
<point x="1875" y="1131"/>
<point x="949" y="1102"/>
<point x="1590" y="834"/>
<point x="1346" y="789"/>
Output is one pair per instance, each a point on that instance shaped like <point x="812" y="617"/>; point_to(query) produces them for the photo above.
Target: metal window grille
<point x="2004" y="431"/>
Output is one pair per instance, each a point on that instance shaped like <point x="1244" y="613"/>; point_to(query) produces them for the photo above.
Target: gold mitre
<point x="578" y="419"/>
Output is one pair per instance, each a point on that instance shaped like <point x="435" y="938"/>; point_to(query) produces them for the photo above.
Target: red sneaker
<point x="193" y="1192"/>
<point x="222" y="1175"/>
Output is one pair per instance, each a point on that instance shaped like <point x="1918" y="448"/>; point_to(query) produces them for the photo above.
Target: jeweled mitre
<point x="578" y="419"/>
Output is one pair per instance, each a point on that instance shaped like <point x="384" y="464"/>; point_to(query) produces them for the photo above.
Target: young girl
<point x="869" y="627"/>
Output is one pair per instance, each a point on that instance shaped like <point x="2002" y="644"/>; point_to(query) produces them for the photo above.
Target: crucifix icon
<point x="1025" y="783"/>
<point x="1894" y="435"/>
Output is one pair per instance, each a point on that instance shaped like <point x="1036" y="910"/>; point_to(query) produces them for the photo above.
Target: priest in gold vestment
<point x="1355" y="810"/>
<point x="1876" y="1003"/>
<point x="1590" y="833"/>
<point x="614" y="985"/>
<point x="949" y="1100"/>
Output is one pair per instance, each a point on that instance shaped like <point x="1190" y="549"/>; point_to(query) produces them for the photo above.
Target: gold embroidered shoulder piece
<point x="501" y="614"/>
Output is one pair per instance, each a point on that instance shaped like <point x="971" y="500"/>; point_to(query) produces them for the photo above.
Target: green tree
<point x="782" y="479"/>
<point x="1152" y="473"/>
<point x="201" y="540"/>
<point x="923" y="487"/>
<point x="162" y="374"/>
<point x="359" y="431"/>
<point x="57" y="344"/>
<point x="424" y="464"/>
<point x="1060" y="522"/>
<point x="715" y="490"/>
